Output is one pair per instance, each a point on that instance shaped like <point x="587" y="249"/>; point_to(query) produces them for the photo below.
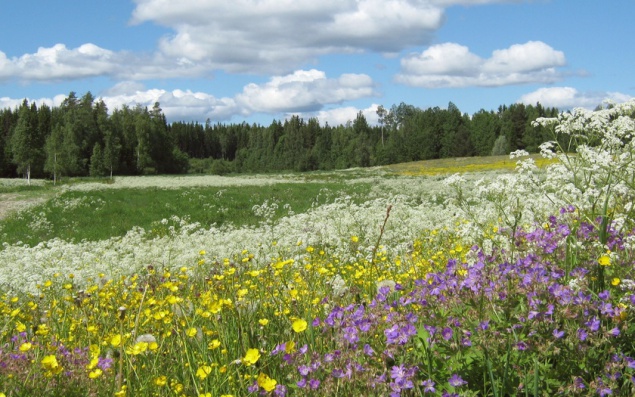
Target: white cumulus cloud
<point x="274" y="35"/>
<point x="59" y="63"/>
<point x="569" y="97"/>
<point x="343" y="115"/>
<point x="304" y="91"/>
<point x="453" y="65"/>
<point x="176" y="104"/>
<point x="245" y="36"/>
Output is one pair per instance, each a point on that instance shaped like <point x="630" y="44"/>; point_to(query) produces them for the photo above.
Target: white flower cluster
<point x="327" y="225"/>
<point x="6" y="182"/>
<point x="598" y="177"/>
<point x="180" y="182"/>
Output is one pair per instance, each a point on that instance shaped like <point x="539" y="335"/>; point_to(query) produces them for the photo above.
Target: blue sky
<point x="259" y="60"/>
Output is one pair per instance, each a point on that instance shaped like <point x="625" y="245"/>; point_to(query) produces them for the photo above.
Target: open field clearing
<point x="478" y="281"/>
<point x="462" y="165"/>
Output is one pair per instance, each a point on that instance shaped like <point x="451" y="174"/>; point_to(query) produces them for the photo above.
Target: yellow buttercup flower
<point x="25" y="347"/>
<point x="289" y="347"/>
<point x="93" y="363"/>
<point x="50" y="364"/>
<point x="122" y="392"/>
<point x="138" y="348"/>
<point x="20" y="327"/>
<point x="203" y="371"/>
<point x="251" y="357"/>
<point x="115" y="341"/>
<point x="266" y="382"/>
<point x="161" y="380"/>
<point x="96" y="373"/>
<point x="299" y="325"/>
<point x="605" y="260"/>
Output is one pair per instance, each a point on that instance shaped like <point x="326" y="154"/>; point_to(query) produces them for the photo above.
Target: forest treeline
<point x="82" y="137"/>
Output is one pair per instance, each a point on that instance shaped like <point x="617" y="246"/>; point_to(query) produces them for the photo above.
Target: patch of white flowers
<point x="6" y="182"/>
<point x="180" y="182"/>
<point x="600" y="175"/>
<point x="327" y="225"/>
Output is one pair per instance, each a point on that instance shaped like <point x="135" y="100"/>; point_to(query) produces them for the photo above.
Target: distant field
<point x="95" y="209"/>
<point x="461" y="165"/>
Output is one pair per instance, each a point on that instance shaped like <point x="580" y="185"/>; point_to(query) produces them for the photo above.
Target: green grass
<point x="25" y="189"/>
<point x="105" y="213"/>
<point x="101" y="214"/>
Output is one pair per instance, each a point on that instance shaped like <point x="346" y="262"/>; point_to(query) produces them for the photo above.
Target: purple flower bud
<point x="483" y="325"/>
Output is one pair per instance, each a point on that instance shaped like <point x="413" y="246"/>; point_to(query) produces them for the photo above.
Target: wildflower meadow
<point x="376" y="282"/>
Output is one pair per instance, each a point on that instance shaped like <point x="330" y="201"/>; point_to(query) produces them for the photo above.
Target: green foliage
<point x="97" y="162"/>
<point x="501" y="146"/>
<point x="25" y="144"/>
<point x="61" y="141"/>
<point x="220" y="167"/>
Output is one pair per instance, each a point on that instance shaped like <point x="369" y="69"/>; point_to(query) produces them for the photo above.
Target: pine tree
<point x="97" y="161"/>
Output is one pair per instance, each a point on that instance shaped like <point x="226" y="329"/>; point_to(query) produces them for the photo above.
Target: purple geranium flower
<point x="447" y="333"/>
<point x="557" y="333"/>
<point x="456" y="381"/>
<point x="428" y="386"/>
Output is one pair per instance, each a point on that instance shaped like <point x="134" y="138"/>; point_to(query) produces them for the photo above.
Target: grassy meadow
<point x="466" y="277"/>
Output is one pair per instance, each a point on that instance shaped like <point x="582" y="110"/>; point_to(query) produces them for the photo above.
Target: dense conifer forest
<point x="83" y="137"/>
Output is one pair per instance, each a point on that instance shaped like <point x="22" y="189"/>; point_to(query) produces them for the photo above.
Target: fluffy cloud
<point x="251" y="36"/>
<point x="342" y="115"/>
<point x="275" y="35"/>
<point x="176" y="104"/>
<point x="304" y="90"/>
<point x="569" y="97"/>
<point x="453" y="65"/>
<point x="58" y="63"/>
